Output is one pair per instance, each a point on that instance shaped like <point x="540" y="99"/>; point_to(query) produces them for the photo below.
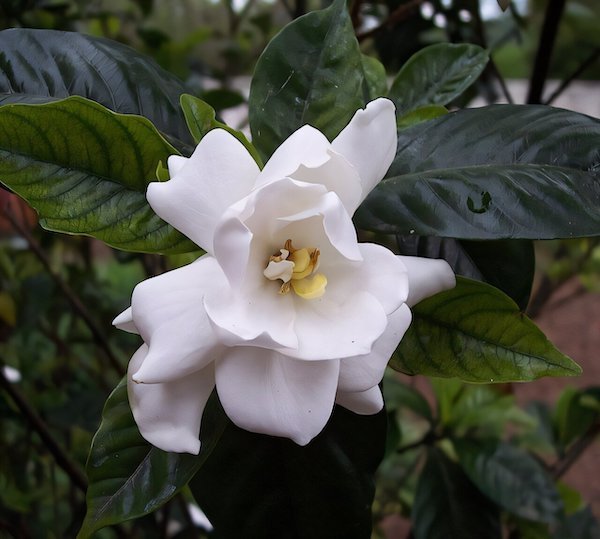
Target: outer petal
<point x="381" y="273"/>
<point x="169" y="313"/>
<point x="219" y="173"/>
<point x="367" y="402"/>
<point x="266" y="392"/>
<point x="124" y="321"/>
<point x="168" y="415"/>
<point x="175" y="163"/>
<point x="363" y="372"/>
<point x="369" y="142"/>
<point x="427" y="277"/>
<point x="327" y="329"/>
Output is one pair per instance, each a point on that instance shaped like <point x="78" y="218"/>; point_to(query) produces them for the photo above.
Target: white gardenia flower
<point x="286" y="313"/>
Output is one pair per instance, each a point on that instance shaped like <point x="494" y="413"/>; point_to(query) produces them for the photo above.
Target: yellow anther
<point x="311" y="288"/>
<point x="294" y="266"/>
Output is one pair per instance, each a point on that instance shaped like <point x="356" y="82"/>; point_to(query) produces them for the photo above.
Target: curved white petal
<point x="168" y="310"/>
<point x="219" y="173"/>
<point x="265" y="392"/>
<point x="329" y="329"/>
<point x="369" y="142"/>
<point x="168" y="415"/>
<point x="306" y="146"/>
<point x="175" y="164"/>
<point x="361" y="373"/>
<point x="426" y="277"/>
<point x="124" y="321"/>
<point x="380" y="273"/>
<point x="261" y="317"/>
<point x="367" y="402"/>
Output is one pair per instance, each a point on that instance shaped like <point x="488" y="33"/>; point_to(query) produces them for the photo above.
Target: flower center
<point x="296" y="268"/>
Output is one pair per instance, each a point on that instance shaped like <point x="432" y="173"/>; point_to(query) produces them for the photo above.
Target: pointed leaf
<point x="201" y="118"/>
<point x="505" y="171"/>
<point x="511" y="478"/>
<point x="375" y="77"/>
<point x="436" y="75"/>
<point x="310" y="73"/>
<point x="85" y="170"/>
<point x="128" y="477"/>
<point x="275" y="488"/>
<point x="476" y="333"/>
<point x="38" y="65"/>
<point x="448" y="506"/>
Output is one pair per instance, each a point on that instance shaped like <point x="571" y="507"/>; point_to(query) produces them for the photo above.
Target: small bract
<point x="286" y="313"/>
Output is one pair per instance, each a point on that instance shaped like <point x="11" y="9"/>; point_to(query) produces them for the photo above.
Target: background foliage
<point x="463" y="450"/>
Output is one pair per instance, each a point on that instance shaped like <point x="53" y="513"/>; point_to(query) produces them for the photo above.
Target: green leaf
<point x="436" y="75"/>
<point x="400" y="395"/>
<point x="506" y="264"/>
<point x="85" y="170"/>
<point x="511" y="478"/>
<point x="256" y="486"/>
<point x="581" y="525"/>
<point x="476" y="333"/>
<point x="38" y="65"/>
<point x="201" y="118"/>
<point x="128" y="477"/>
<point x="422" y="114"/>
<point x="448" y="506"/>
<point x="498" y="172"/>
<point x="571" y="417"/>
<point x="375" y="77"/>
<point x="310" y="73"/>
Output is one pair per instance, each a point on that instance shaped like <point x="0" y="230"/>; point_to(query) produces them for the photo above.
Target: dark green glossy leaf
<point x="128" y="477"/>
<point x="476" y="333"/>
<point x="256" y="486"/>
<point x="201" y="118"/>
<point x="436" y="75"/>
<point x="37" y="65"/>
<point x="498" y="172"/>
<point x="85" y="170"/>
<point x="375" y="77"/>
<point x="421" y="114"/>
<point x="448" y="506"/>
<point x="506" y="264"/>
<point x="511" y="478"/>
<point x="310" y="73"/>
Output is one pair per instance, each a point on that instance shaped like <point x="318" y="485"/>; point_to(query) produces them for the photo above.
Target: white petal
<point x="124" y="321"/>
<point x="307" y="146"/>
<point x="363" y="372"/>
<point x="260" y="317"/>
<point x="427" y="277"/>
<point x="265" y="392"/>
<point x="367" y="402"/>
<point x="369" y="142"/>
<point x="169" y="313"/>
<point x="380" y="273"/>
<point x="219" y="173"/>
<point x="168" y="415"/>
<point x="329" y="329"/>
<point x="175" y="164"/>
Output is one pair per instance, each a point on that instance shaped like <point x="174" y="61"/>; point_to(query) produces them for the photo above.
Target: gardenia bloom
<point x="286" y="313"/>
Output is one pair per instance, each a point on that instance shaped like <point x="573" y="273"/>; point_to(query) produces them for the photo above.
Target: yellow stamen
<point x="293" y="267"/>
<point x="311" y="288"/>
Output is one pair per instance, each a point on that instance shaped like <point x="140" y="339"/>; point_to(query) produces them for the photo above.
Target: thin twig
<point x="541" y="65"/>
<point x="60" y="456"/>
<point x="68" y="292"/>
<point x="401" y="13"/>
<point x="584" y="65"/>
